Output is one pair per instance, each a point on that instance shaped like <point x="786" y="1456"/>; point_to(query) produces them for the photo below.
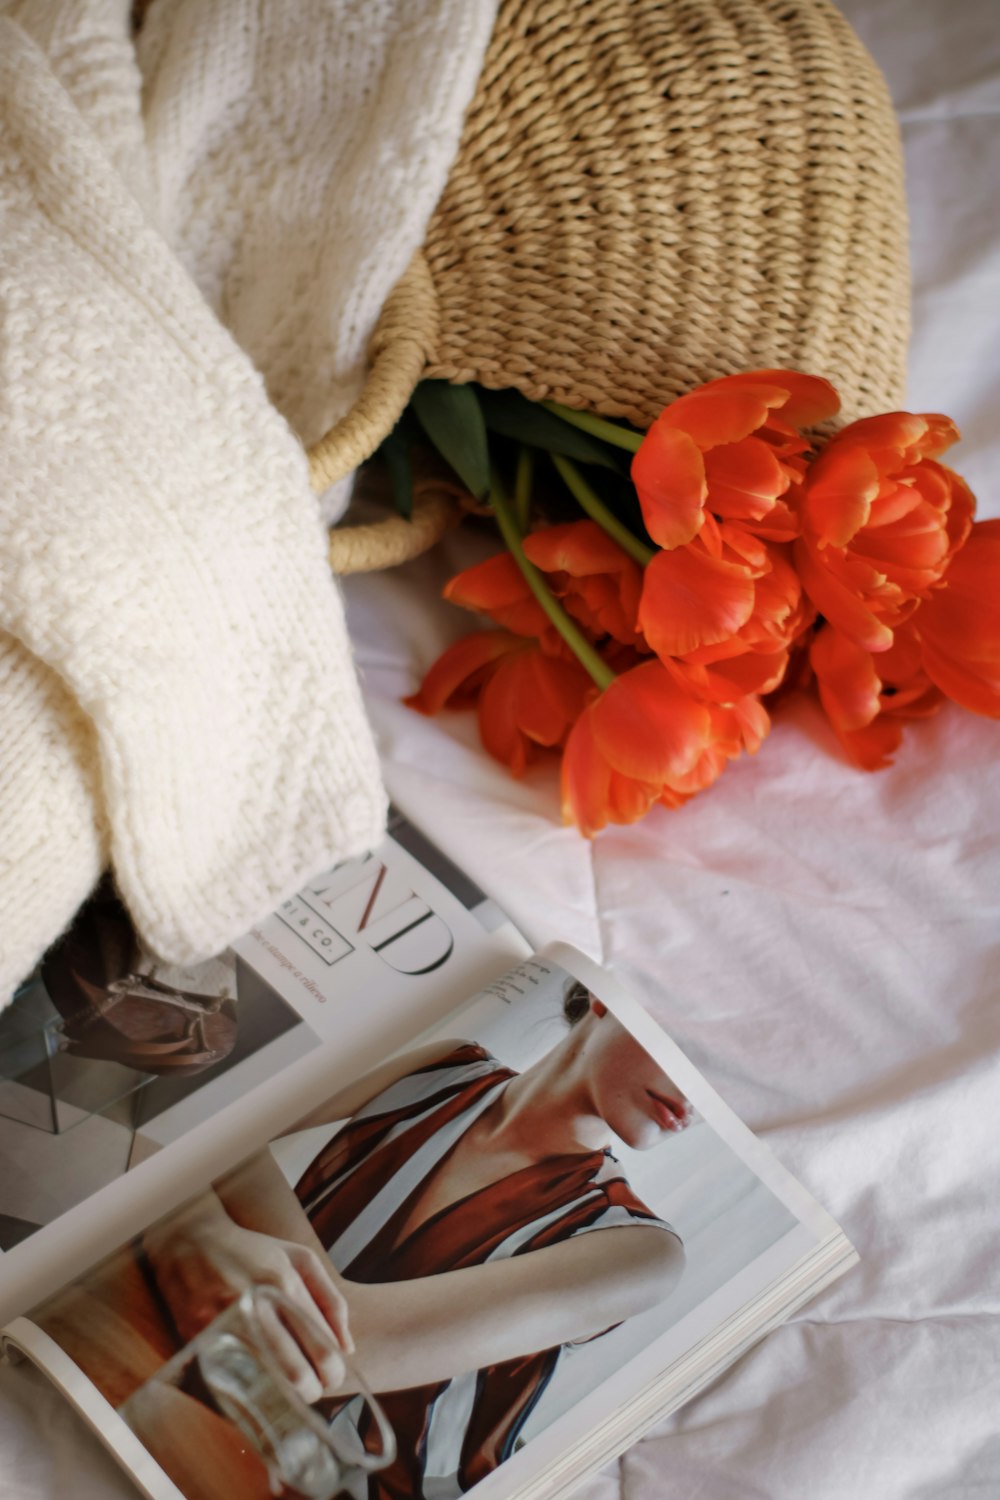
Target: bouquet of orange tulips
<point x="644" y="621"/>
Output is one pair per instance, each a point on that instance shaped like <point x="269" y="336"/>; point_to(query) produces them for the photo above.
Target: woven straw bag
<point x="648" y="194"/>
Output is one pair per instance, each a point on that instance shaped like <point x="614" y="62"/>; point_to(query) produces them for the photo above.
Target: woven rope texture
<point x="651" y="193"/>
<point x="398" y="354"/>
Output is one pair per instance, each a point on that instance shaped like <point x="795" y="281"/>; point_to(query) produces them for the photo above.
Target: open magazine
<point x="378" y="1204"/>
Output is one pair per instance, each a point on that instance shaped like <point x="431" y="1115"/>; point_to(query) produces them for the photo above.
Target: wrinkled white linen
<point x="828" y="942"/>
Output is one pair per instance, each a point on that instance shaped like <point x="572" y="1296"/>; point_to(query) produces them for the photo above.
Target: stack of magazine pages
<point x="378" y="1204"/>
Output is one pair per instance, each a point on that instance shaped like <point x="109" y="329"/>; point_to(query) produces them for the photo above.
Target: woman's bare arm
<point x="436" y="1327"/>
<point x="410" y="1333"/>
<point x="257" y="1196"/>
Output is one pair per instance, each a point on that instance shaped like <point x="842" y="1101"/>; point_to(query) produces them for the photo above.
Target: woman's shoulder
<point x="405" y="1077"/>
<point x="439" y="1068"/>
<point x="638" y="1270"/>
<point x="447" y="1054"/>
<point x="616" y="1203"/>
<point x="438" y="1058"/>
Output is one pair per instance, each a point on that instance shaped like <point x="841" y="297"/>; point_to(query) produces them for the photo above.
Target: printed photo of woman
<point x="446" y="1233"/>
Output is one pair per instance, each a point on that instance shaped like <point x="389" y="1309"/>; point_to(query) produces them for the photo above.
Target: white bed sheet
<point x="828" y="943"/>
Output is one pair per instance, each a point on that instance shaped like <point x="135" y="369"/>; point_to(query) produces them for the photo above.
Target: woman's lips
<point x="669" y="1113"/>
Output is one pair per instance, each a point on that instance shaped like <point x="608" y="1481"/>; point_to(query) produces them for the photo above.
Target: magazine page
<point x="115" y="1069"/>
<point x="452" y="1270"/>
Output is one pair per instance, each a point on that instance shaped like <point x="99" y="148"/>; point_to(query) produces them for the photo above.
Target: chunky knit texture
<point x="54" y="841"/>
<point x="297" y="175"/>
<point x="175" y="678"/>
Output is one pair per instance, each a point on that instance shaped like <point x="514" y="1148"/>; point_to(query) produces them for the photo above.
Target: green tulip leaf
<point x="513" y="415"/>
<point x="395" y="449"/>
<point x="451" y="417"/>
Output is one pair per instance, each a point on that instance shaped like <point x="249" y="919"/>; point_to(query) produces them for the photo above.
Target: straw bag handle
<point x="400" y="349"/>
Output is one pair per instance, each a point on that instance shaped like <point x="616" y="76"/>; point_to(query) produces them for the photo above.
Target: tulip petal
<point x="556" y="690"/>
<point x="646" y="726"/>
<point x="810" y="398"/>
<point x="920" y="699"/>
<point x="754" y="721"/>
<point x="902" y="662"/>
<point x="597" y="581"/>
<point x="723" y="411"/>
<point x="499" y="729"/>
<point x="708" y="768"/>
<point x="727" y="681"/>
<point x="530" y="699"/>
<point x="495" y="580"/>
<point x="594" y="795"/>
<point x="849" y="685"/>
<point x="745" y="549"/>
<point x="941" y="433"/>
<point x="456" y="675"/>
<point x="781" y="524"/>
<point x="891" y="439"/>
<point x="961" y="510"/>
<point x="669" y="476"/>
<point x="912" y="551"/>
<point x="838" y="494"/>
<point x="778" y="591"/>
<point x="690" y="599"/>
<point x="602" y="605"/>
<point x="893" y="501"/>
<point x="873" y="747"/>
<point x="744" y="479"/>
<point x="710" y="537"/>
<point x="753" y="672"/>
<point x="974" y="685"/>
<point x="497" y="587"/>
<point x="841" y="607"/>
<point x="629" y="800"/>
<point x="586" y="780"/>
<point x="931" y="481"/>
<point x="961" y="619"/>
<point x="576" y="547"/>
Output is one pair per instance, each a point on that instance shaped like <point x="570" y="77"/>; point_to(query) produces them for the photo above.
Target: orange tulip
<point x="597" y="582"/>
<point x="881" y="521"/>
<point x="869" y="699"/>
<point x="497" y="588"/>
<point x="647" y="739"/>
<point x="781" y="612"/>
<point x="722" y="595"/>
<point x="959" y="625"/>
<point x="731" y="448"/>
<point x="875" y="536"/>
<point x="729" y="681"/>
<point x="693" y="597"/>
<point x="525" y="697"/>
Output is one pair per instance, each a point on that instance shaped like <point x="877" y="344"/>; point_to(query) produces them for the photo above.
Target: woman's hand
<point x="203" y="1261"/>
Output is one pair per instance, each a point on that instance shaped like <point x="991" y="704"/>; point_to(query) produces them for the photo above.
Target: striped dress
<point x="360" y="1191"/>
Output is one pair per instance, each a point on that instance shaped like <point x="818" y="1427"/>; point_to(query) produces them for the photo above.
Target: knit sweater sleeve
<point x="161" y="557"/>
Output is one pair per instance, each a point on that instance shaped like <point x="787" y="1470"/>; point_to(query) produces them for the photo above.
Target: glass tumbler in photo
<point x="231" y="1362"/>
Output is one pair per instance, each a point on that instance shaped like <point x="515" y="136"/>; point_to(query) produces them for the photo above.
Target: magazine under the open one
<point x="467" y="1221"/>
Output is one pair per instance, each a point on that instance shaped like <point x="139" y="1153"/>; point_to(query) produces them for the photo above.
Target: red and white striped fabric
<point x="360" y="1192"/>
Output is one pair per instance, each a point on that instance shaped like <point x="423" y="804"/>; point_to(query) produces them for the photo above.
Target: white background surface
<point x="825" y="942"/>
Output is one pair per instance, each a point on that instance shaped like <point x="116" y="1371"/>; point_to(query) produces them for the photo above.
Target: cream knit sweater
<point x="196" y="237"/>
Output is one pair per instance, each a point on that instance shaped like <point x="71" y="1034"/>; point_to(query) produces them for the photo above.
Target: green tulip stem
<point x="522" y="488"/>
<point x="608" y="432"/>
<point x="598" y="511"/>
<point x="574" y="638"/>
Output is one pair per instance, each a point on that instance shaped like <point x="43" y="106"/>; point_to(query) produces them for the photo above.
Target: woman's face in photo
<point x="631" y="1092"/>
